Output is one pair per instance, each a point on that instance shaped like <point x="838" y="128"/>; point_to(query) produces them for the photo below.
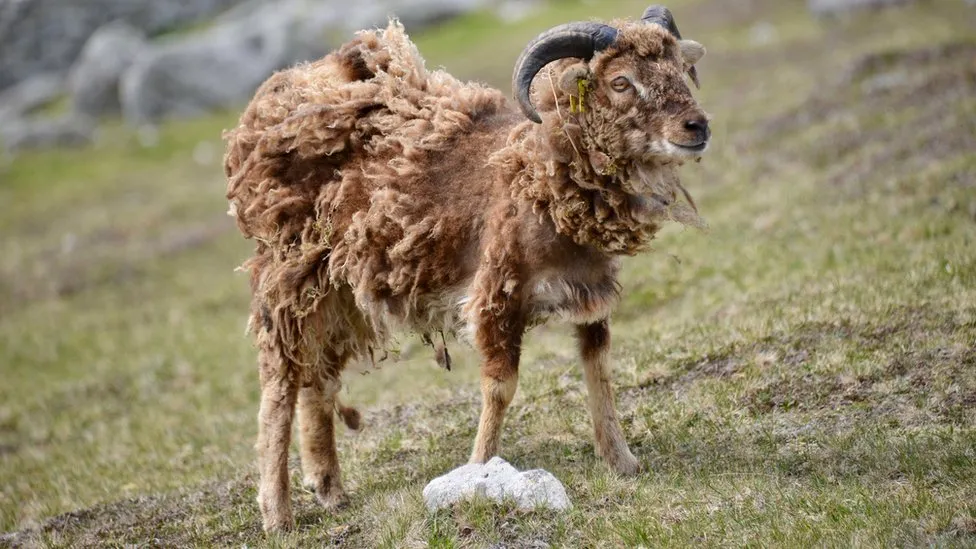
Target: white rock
<point x="497" y="480"/>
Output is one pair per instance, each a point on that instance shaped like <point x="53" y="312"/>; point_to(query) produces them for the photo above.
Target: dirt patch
<point x="906" y="76"/>
<point x="204" y="517"/>
<point x="103" y="524"/>
<point x="887" y="116"/>
<point x="943" y="375"/>
<point x="876" y="63"/>
<point x="500" y="529"/>
<point x="718" y="366"/>
<point x="912" y="373"/>
<point x="914" y="383"/>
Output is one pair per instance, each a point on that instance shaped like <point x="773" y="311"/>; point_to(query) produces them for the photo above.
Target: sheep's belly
<point x="426" y="314"/>
<point x="573" y="302"/>
<point x="550" y="299"/>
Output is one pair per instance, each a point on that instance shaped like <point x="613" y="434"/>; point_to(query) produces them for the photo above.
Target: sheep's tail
<point x="350" y="416"/>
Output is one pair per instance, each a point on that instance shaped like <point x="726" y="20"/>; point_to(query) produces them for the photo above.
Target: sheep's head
<point x="628" y="82"/>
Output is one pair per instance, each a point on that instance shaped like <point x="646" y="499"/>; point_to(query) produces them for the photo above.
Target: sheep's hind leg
<point x="316" y="428"/>
<point x="594" y="342"/>
<point x="279" y="390"/>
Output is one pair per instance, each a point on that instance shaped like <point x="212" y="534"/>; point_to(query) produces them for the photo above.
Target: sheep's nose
<point x="699" y="126"/>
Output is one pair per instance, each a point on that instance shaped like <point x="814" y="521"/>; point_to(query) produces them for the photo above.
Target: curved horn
<point x="570" y="40"/>
<point x="660" y="15"/>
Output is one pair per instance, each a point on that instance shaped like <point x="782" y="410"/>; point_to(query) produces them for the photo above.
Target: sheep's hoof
<point x="333" y="500"/>
<point x="276" y="520"/>
<point x="272" y="526"/>
<point x="330" y="494"/>
<point x="624" y="463"/>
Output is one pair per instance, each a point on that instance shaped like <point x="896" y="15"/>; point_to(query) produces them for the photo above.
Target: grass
<point x="801" y="374"/>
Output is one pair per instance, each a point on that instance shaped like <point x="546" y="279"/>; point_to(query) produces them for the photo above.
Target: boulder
<point x="222" y="66"/>
<point x="66" y="130"/>
<point x="497" y="480"/>
<point x="47" y="35"/>
<point x="93" y="81"/>
<point x="29" y="95"/>
<point x="217" y="68"/>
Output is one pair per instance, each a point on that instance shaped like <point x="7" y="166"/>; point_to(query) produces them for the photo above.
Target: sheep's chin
<point x="652" y="191"/>
<point x="648" y="209"/>
<point x="649" y="186"/>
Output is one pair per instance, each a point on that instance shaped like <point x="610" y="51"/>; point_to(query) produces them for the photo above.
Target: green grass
<point x="801" y="374"/>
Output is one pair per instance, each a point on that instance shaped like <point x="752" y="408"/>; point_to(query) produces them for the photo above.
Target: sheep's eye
<point x="620" y="84"/>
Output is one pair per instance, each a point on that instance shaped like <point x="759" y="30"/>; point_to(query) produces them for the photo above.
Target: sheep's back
<point x="329" y="169"/>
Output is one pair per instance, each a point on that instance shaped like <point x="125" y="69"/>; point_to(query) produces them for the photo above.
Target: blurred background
<point x="836" y="285"/>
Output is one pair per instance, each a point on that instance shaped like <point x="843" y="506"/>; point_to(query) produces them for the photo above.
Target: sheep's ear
<point x="691" y="51"/>
<point x="569" y="80"/>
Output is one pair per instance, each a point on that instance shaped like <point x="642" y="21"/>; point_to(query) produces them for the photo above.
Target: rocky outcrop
<point x="28" y="95"/>
<point x="46" y="35"/>
<point x="224" y="65"/>
<point x="93" y="83"/>
<point x="116" y="67"/>
<point x="66" y="130"/>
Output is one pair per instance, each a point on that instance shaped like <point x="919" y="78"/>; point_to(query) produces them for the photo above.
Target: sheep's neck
<point x="590" y="209"/>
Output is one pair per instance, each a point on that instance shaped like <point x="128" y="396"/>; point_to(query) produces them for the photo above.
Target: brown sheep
<point x="384" y="196"/>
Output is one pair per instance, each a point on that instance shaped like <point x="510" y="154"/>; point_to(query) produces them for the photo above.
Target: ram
<point x="383" y="196"/>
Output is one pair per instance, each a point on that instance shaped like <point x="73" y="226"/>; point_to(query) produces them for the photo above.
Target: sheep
<point x="384" y="197"/>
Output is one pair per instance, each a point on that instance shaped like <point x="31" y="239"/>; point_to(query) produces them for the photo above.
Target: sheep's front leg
<point x="316" y="428"/>
<point x="499" y="379"/>
<point x="594" y="342"/>
<point x="279" y="391"/>
<point x="496" y="394"/>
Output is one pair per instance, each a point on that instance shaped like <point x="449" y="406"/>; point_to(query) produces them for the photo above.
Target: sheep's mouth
<point x="693" y="148"/>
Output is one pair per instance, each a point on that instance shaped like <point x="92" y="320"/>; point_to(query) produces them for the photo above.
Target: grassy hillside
<point x="803" y="373"/>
